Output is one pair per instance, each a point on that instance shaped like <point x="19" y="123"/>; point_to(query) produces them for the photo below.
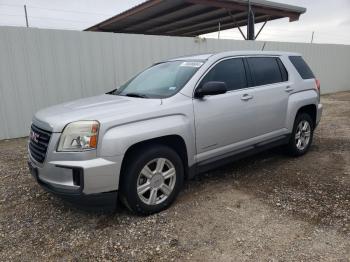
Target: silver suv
<point x="174" y="120"/>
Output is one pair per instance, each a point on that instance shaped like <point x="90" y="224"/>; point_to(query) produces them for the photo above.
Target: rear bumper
<point x="319" y="113"/>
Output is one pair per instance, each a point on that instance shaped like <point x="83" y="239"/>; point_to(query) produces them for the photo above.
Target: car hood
<point x="103" y="108"/>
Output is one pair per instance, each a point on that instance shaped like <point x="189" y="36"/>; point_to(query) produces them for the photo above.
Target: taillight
<point x="318" y="85"/>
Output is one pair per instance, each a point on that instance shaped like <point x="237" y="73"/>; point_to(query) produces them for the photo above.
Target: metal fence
<point x="39" y="68"/>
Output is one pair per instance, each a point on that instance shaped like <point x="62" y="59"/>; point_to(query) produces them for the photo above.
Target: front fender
<point x="117" y="140"/>
<point x="297" y="101"/>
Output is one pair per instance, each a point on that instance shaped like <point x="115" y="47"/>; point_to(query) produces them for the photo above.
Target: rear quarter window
<point x="302" y="67"/>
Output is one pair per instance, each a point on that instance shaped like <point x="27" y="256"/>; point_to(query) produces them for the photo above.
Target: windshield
<point x="161" y="80"/>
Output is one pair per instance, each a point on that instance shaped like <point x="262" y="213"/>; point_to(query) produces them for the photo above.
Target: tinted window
<point x="283" y="70"/>
<point x="302" y="67"/>
<point x="231" y="71"/>
<point x="265" y="70"/>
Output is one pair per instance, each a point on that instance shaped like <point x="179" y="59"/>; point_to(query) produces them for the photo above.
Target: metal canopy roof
<point x="194" y="17"/>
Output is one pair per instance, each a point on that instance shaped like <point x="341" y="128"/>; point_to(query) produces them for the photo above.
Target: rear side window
<point x="266" y="70"/>
<point x="283" y="70"/>
<point x="302" y="67"/>
<point x="231" y="71"/>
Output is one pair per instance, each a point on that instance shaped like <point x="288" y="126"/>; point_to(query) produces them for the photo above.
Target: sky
<point x="328" y="19"/>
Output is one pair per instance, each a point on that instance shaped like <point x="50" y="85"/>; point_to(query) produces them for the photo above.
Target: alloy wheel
<point x="303" y="135"/>
<point x="156" y="181"/>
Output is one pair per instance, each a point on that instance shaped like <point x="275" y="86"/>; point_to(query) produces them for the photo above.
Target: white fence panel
<point x="40" y="67"/>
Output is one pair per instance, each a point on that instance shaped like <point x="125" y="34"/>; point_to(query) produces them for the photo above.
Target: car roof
<point x="236" y="53"/>
<point x="193" y="57"/>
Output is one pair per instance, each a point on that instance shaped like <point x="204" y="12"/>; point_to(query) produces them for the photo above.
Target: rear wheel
<point x="152" y="179"/>
<point x="302" y="136"/>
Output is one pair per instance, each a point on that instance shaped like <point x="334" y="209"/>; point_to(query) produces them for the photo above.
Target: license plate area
<point x="33" y="170"/>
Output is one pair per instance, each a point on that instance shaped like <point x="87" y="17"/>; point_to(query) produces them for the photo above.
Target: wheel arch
<point x="175" y="142"/>
<point x="305" y="101"/>
<point x="311" y="110"/>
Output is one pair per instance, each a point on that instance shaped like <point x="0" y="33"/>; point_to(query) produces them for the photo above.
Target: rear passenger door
<point x="271" y="92"/>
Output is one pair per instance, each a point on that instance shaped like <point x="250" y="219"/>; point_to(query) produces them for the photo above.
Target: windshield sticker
<point x="192" y="64"/>
<point x="172" y="88"/>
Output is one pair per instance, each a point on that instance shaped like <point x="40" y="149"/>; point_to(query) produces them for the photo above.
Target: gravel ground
<point x="267" y="208"/>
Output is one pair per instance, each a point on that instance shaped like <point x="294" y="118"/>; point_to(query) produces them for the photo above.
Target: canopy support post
<point x="251" y="23"/>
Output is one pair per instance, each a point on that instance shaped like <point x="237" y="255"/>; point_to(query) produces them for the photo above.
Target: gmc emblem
<point x="34" y="136"/>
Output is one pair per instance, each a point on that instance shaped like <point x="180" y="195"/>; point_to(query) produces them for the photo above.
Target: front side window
<point x="266" y="70"/>
<point x="161" y="80"/>
<point x="230" y="71"/>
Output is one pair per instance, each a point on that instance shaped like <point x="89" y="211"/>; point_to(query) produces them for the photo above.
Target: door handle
<point x="289" y="89"/>
<point x="246" y="97"/>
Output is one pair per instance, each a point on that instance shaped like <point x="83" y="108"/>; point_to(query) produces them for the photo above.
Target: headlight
<point x="79" y="136"/>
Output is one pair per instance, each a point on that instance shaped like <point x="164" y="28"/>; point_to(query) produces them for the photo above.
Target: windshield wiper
<point x="136" y="95"/>
<point x="113" y="92"/>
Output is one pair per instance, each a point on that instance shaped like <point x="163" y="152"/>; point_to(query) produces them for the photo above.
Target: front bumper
<point x="60" y="170"/>
<point x="76" y="196"/>
<point x="81" y="178"/>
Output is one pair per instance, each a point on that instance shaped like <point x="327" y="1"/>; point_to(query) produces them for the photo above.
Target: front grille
<point x="38" y="143"/>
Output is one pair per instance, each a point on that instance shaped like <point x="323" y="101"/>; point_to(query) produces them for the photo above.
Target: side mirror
<point x="211" y="89"/>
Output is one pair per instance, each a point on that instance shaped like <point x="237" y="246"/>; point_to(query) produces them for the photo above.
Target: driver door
<point x="224" y="123"/>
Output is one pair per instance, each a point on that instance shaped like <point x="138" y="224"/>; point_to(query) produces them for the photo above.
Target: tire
<point x="300" y="146"/>
<point x="149" y="184"/>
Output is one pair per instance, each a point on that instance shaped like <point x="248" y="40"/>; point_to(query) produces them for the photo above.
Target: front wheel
<point x="302" y="136"/>
<point x="152" y="179"/>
